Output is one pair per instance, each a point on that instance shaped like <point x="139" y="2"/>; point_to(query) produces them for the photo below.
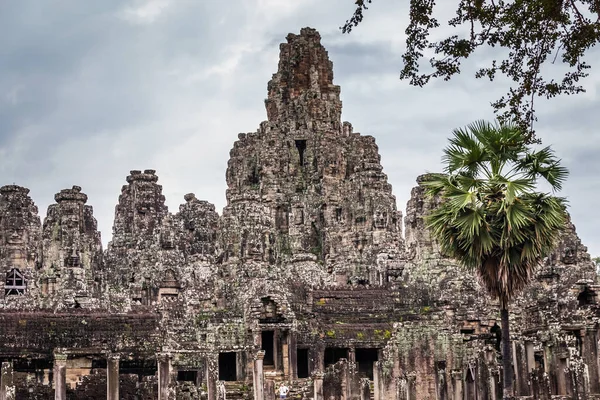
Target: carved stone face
<point x="167" y="240"/>
<point x="569" y="256"/>
<point x="380" y="219"/>
<point x="16" y="237"/>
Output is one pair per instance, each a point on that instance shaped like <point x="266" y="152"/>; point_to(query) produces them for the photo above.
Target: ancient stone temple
<point x="305" y="279"/>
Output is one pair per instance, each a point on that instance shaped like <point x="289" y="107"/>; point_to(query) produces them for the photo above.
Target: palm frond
<point x="489" y="216"/>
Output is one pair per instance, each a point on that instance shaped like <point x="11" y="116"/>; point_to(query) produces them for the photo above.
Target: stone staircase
<point x="301" y="389"/>
<point x="238" y="390"/>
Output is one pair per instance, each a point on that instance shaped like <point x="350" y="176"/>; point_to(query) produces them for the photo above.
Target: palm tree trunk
<point x="506" y="355"/>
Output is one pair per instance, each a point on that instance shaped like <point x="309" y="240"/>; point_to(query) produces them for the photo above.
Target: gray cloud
<point x="90" y="90"/>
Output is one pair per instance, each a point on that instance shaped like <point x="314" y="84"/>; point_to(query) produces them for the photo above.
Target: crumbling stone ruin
<point x="305" y="278"/>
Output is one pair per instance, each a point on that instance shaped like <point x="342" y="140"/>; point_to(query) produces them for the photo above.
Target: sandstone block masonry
<point x="305" y="278"/>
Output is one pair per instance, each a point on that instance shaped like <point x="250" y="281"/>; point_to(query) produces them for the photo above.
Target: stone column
<point x="212" y="376"/>
<point x="522" y="386"/>
<point x="259" y="379"/>
<point x="112" y="377"/>
<point x="411" y="384"/>
<point x="293" y="355"/>
<point x="318" y="382"/>
<point x="60" y="376"/>
<point x="376" y="382"/>
<point x="590" y="355"/>
<point x="7" y="390"/>
<point x="257" y="338"/>
<point x="492" y="387"/>
<point x="270" y="390"/>
<point x="320" y="357"/>
<point x="458" y="385"/>
<point x="352" y="354"/>
<point x="365" y="389"/>
<point x="240" y="366"/>
<point x="529" y="350"/>
<point x="561" y="378"/>
<point x="164" y="376"/>
<point x="276" y="364"/>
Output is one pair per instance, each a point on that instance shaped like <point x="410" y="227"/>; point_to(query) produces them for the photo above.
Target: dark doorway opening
<point x="301" y="146"/>
<point x="365" y="359"/>
<point x="497" y="332"/>
<point x="334" y="354"/>
<point x="267" y="346"/>
<point x="137" y="367"/>
<point x="302" y="360"/>
<point x="187" y="376"/>
<point x="227" y="367"/>
<point x="586" y="297"/>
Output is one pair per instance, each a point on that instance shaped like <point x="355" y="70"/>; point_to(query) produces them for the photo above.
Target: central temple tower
<point x="305" y="188"/>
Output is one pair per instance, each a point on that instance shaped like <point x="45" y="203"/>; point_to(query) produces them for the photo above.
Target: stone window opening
<point x="227" y="366"/>
<point x="254" y="178"/>
<point x="497" y="332"/>
<point x="301" y="146"/>
<point x="335" y="354"/>
<point x="270" y="313"/>
<point x="268" y="341"/>
<point x="282" y="219"/>
<point x="338" y="214"/>
<point x="538" y="356"/>
<point x="187" y="376"/>
<point x="15" y="283"/>
<point x="302" y="363"/>
<point x="365" y="358"/>
<point x="586" y="297"/>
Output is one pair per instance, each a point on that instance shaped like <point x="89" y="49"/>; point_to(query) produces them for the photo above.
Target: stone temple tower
<point x="72" y="249"/>
<point x="305" y="188"/>
<point x="20" y="230"/>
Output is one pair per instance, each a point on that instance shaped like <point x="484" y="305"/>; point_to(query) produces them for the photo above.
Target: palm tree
<point x="490" y="216"/>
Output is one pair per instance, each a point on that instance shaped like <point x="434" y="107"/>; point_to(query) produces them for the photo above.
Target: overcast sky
<point x="90" y="90"/>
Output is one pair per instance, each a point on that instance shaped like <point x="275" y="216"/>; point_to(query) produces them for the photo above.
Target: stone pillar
<point x="352" y="354"/>
<point x="112" y="377"/>
<point x="164" y="376"/>
<point x="529" y="350"/>
<point x="590" y="355"/>
<point x="276" y="364"/>
<point x="212" y="376"/>
<point x="343" y="376"/>
<point x="240" y="373"/>
<point x="522" y="385"/>
<point x="259" y="379"/>
<point x="376" y="382"/>
<point x="270" y="390"/>
<point x="492" y="387"/>
<point x="318" y="382"/>
<point x="257" y="338"/>
<point x="458" y="385"/>
<point x="293" y="355"/>
<point x="411" y="384"/>
<point x="320" y="357"/>
<point x="365" y="389"/>
<point x="7" y="390"/>
<point x="561" y="379"/>
<point x="60" y="376"/>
